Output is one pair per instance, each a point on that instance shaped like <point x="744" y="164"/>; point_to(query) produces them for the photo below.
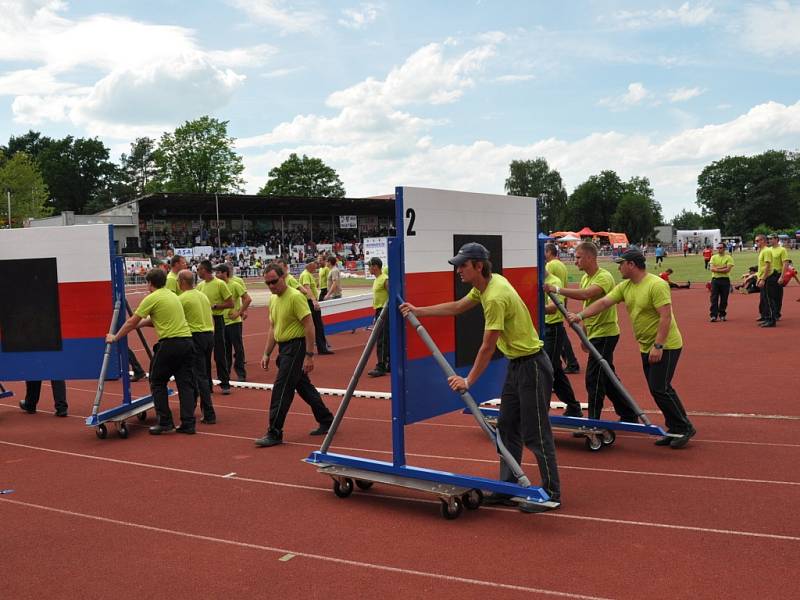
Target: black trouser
<point x="234" y="346"/>
<point x="659" y="380"/>
<point x="220" y="354"/>
<point x="568" y="355"/>
<point x="322" y="293"/>
<point x="720" y="288"/>
<point x="201" y="363"/>
<point x="767" y="305"/>
<point x="705" y="263"/>
<point x="319" y="328"/>
<point x="291" y="378"/>
<point x="523" y="419"/>
<point x="778" y="298"/>
<point x="136" y="366"/>
<point x="34" y="388"/>
<point x="659" y="260"/>
<point x="554" y="335"/>
<point x="173" y="358"/>
<point x="382" y="345"/>
<point x="598" y="385"/>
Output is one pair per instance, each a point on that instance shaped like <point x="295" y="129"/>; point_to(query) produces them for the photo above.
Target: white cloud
<point x="685" y="15"/>
<point x="772" y="30"/>
<point x="635" y="95"/>
<point x="358" y="18"/>
<point x="32" y="81"/>
<point x="684" y="94"/>
<point x="253" y="56"/>
<point x="281" y="72"/>
<point x="515" y="78"/>
<point x="274" y="13"/>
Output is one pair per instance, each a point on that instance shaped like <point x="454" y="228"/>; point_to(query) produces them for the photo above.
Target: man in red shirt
<point x="707" y="254"/>
<point x="665" y="276"/>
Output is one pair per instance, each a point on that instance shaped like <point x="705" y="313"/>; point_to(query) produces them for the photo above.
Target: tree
<point x="594" y="202"/>
<point x="304" y="176"/>
<point x="635" y="217"/>
<point x="641" y="187"/>
<point x="687" y="219"/>
<point x="139" y="167"/>
<point x="20" y="176"/>
<point x="198" y="157"/>
<point x="535" y="179"/>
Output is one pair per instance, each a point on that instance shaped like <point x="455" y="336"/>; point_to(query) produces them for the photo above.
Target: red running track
<point x="212" y="516"/>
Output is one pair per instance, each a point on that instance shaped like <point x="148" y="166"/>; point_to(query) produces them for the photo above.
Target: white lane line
<point x="411" y="499"/>
<point x="229" y="475"/>
<point x="297" y="553"/>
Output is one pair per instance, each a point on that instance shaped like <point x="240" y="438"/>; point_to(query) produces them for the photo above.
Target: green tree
<point x="20" y="176"/>
<point x="138" y="169"/>
<point x="641" y="187"/>
<point x="593" y="203"/>
<point x="687" y="219"/>
<point x="634" y="216"/>
<point x="306" y="176"/>
<point x="198" y="157"/>
<point x="535" y="179"/>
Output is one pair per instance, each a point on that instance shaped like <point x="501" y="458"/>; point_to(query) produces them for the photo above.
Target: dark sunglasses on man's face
<point x="271" y="281"/>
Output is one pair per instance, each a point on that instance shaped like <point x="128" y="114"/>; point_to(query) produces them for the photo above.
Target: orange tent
<point x="586" y="232"/>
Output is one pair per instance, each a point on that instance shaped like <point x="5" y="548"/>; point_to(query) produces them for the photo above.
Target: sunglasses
<point x="272" y="281"/>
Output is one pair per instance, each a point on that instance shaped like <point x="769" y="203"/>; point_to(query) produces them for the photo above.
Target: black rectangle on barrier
<point x="469" y="325"/>
<point x="30" y="319"/>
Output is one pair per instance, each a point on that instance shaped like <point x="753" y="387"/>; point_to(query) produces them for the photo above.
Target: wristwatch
<point x="309" y="354"/>
<point x="658" y="346"/>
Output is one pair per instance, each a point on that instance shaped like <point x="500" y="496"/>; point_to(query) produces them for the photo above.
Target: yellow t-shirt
<point x="504" y="311"/>
<point x="721" y="261"/>
<point x="559" y="269"/>
<point x="172" y="283"/>
<point x="237" y="291"/>
<point x="606" y="323"/>
<point x="197" y="310"/>
<point x="764" y="257"/>
<point x="323" y="277"/>
<point x="779" y="255"/>
<point x="240" y="281"/>
<point x="641" y="300"/>
<point x="286" y="311"/>
<point x="380" y="295"/>
<point x="166" y="312"/>
<point x="307" y="279"/>
<point x="556" y="317"/>
<point x="292" y="282"/>
<point x="217" y="292"/>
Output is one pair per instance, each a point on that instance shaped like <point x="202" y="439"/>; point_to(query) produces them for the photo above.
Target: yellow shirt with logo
<point x="217" y="292"/>
<point x="504" y="311"/>
<point x="642" y="301"/>
<point x="286" y="311"/>
<point x="197" y="310"/>
<point x="165" y="310"/>
<point x="323" y="277"/>
<point x="380" y="295"/>
<point x="718" y="261"/>
<point x="556" y="317"/>
<point x="606" y="324"/>
<point x="172" y="283"/>
<point x="307" y="279"/>
<point x="779" y="256"/>
<point x="764" y="257"/>
<point x="559" y="269"/>
<point x="237" y="291"/>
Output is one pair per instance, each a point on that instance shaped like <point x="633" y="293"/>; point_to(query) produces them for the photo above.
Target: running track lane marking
<point x="753" y="534"/>
<point x="284" y="552"/>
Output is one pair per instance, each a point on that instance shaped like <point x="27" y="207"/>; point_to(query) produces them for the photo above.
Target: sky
<point x="418" y="93"/>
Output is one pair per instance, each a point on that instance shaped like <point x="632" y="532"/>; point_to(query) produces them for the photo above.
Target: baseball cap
<point x="633" y="255"/>
<point x="223" y="268"/>
<point x="469" y="251"/>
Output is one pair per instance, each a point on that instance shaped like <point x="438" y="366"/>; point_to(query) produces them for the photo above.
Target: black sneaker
<point x="573" y="413"/>
<point x="538" y="507"/>
<point x="271" y="439"/>
<point x="189" y="430"/>
<point x="321" y="430"/>
<point x="713" y="319"/>
<point x="680" y="442"/>
<point x="26" y="408"/>
<point x="493" y="498"/>
<point x="376" y="373"/>
<point x="159" y="429"/>
<point x="572" y="370"/>
<point x="137" y="377"/>
<point x="723" y="318"/>
<point x="768" y="324"/>
<point x="226" y="390"/>
<point x="664" y="441"/>
<point x="209" y="420"/>
<point x="61" y="413"/>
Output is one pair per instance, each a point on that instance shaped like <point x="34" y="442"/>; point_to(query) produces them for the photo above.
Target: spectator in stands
<point x="665" y="276"/>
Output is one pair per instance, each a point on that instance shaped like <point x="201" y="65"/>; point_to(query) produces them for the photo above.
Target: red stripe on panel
<point x="348" y="315"/>
<point x="86" y="308"/>
<point x="526" y="281"/>
<point x="424" y="289"/>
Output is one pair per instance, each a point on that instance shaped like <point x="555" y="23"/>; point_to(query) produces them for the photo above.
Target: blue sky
<point x="435" y="94"/>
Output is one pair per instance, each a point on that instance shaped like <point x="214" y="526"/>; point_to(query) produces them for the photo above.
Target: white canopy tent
<point x="703" y="237"/>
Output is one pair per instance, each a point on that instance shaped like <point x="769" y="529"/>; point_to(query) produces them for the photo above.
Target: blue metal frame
<point x="397" y="345"/>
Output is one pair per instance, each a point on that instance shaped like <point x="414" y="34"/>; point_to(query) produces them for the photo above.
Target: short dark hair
<point x="376" y="262"/>
<point x="274" y="266"/>
<point x="175" y="260"/>
<point x="670" y="271"/>
<point x="156" y="277"/>
<point x="551" y="248"/>
<point x="486" y="266"/>
<point x="311" y="260"/>
<point x="206" y="264"/>
<point x="332" y="260"/>
<point x="589" y="247"/>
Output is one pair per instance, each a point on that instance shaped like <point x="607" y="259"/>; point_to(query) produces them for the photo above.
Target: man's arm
<point x="126" y="328"/>
<point x="588" y="293"/>
<point x="593" y="309"/>
<point x="269" y="347"/>
<point x="308" y="325"/>
<point x="242" y="312"/>
<point x="458" y="383"/>
<point x="446" y="309"/>
<point x="226" y="304"/>
<point x="664" y="322"/>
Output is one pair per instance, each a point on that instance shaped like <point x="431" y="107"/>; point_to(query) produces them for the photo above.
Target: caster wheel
<point x="472" y="499"/>
<point x="122" y="430"/>
<point x="101" y="431"/>
<point x="594" y="443"/>
<point x="142" y="416"/>
<point x="363" y="485"/>
<point x="608" y="437"/>
<point x="452" y="510"/>
<point x="343" y="488"/>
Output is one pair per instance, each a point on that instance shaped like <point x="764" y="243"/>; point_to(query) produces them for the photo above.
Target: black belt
<point x="520" y="359"/>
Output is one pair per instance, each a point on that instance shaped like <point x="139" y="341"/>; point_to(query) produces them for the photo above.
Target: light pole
<point x="219" y="240"/>
<point x="8" y="195"/>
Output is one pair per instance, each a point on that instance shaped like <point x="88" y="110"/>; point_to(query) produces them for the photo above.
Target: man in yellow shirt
<point x="197" y="310"/>
<point x="291" y="328"/>
<point x="648" y="302"/>
<point x="308" y="280"/>
<point x="173" y="356"/>
<point x="323" y="270"/>
<point x="380" y="298"/>
<point x="554" y="266"/>
<point x="766" y="304"/>
<point x="554" y="334"/>
<point x="780" y="263"/>
<point x="529" y="380"/>
<point x="234" y="317"/>
<point x="602" y="331"/>
<point x="221" y="299"/>
<point x="177" y="264"/>
<point x="721" y="265"/>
